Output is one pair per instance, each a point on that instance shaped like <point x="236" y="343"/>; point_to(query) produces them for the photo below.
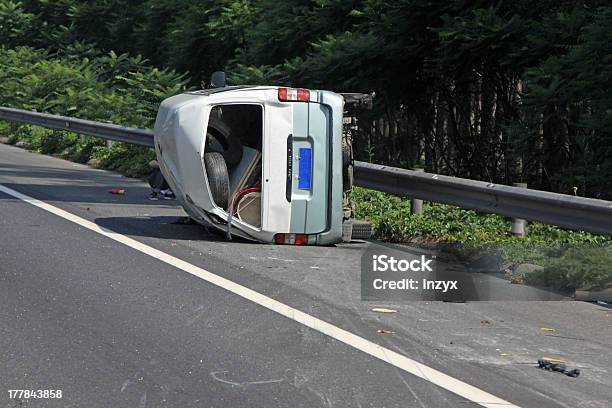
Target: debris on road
<point x="552" y="360"/>
<point x="549" y="365"/>
<point x="547" y="329"/>
<point x="383" y="310"/>
<point x="383" y="331"/>
<point x="117" y="191"/>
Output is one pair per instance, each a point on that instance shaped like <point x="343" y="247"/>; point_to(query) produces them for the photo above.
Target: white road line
<point x="400" y="361"/>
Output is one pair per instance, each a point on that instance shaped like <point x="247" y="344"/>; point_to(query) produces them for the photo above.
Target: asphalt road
<point x="113" y="327"/>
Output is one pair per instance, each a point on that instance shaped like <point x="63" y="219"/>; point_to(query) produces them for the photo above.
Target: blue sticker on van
<point x="305" y="168"/>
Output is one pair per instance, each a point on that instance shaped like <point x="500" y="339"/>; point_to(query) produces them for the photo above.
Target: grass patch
<point x="393" y="222"/>
<point x="571" y="259"/>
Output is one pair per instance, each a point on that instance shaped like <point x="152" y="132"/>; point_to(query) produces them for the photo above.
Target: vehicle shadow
<point x="164" y="227"/>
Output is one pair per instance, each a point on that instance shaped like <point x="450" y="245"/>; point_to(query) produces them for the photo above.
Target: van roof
<point x="206" y="92"/>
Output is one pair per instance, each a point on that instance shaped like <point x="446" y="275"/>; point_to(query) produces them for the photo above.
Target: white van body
<point x="301" y="162"/>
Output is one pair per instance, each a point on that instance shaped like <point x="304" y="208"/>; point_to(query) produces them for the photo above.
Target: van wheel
<point x="362" y="230"/>
<point x="218" y="178"/>
<point x="223" y="142"/>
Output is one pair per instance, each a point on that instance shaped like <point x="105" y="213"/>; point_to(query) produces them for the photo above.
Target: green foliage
<point x="48" y="141"/>
<point x="114" y="88"/>
<point x="130" y="160"/>
<point x="393" y="221"/>
<point x="576" y="267"/>
<point x="15" y="23"/>
<point x="195" y="37"/>
<point x="498" y="91"/>
<point x="571" y="259"/>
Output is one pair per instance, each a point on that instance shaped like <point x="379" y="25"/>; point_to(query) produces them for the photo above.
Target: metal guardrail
<point x="550" y="208"/>
<point x="81" y="126"/>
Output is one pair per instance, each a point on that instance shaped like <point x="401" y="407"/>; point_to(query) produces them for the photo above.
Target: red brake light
<point x="291" y="239"/>
<point x="282" y="94"/>
<point x="301" y="239"/>
<point x="293" y="95"/>
<point x="303" y="95"/>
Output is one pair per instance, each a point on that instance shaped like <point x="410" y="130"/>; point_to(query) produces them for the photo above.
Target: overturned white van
<point x="261" y="162"/>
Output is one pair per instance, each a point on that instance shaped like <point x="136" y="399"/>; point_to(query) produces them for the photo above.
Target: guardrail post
<point x="109" y="144"/>
<point x="518" y="224"/>
<point x="416" y="205"/>
<point x="13" y="128"/>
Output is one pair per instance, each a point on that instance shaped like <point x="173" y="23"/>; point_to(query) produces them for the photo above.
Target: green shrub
<point x="576" y="267"/>
<point x="392" y="220"/>
<point x="82" y="83"/>
<point x="130" y="160"/>
<point x="571" y="259"/>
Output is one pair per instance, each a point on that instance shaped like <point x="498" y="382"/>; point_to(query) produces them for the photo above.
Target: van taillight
<point x="293" y="95"/>
<point x="291" y="239"/>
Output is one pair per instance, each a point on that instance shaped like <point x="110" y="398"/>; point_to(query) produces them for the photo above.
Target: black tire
<point x="224" y="143"/>
<point x="362" y="230"/>
<point x="218" y="178"/>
